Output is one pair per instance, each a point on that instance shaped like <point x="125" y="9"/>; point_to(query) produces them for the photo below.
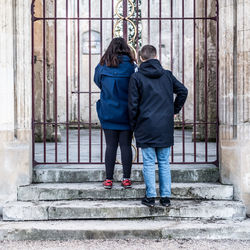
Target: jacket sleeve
<point x="133" y="101"/>
<point x="97" y="76"/>
<point x="181" y="95"/>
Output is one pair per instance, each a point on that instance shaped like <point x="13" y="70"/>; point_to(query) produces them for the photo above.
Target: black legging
<point x="124" y="138"/>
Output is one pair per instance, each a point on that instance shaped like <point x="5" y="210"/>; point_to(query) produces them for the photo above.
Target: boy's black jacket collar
<point x="151" y="68"/>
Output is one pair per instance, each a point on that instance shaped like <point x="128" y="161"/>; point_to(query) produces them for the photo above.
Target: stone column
<point x="15" y="99"/>
<point x="235" y="97"/>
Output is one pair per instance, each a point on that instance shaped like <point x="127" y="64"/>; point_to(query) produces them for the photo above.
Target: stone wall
<point x="15" y="97"/>
<point x="235" y="97"/>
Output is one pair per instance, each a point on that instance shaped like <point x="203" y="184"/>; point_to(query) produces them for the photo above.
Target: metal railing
<point x="153" y="23"/>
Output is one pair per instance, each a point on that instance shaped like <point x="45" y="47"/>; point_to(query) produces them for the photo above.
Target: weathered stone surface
<point x="124" y="229"/>
<point x="234" y="97"/>
<point x="1" y="208"/>
<point x="221" y="230"/>
<point x="74" y="191"/>
<point x="81" y="173"/>
<point x="22" y="210"/>
<point x="15" y="97"/>
<point x="66" y="210"/>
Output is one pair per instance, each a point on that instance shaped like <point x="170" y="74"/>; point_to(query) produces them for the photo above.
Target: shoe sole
<point x="167" y="205"/>
<point x="106" y="187"/>
<point x="126" y="187"/>
<point x="148" y="205"/>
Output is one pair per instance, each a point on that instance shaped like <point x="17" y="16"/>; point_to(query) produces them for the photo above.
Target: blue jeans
<point x="149" y="171"/>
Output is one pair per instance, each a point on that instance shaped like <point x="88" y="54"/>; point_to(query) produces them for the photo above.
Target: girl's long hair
<point x="117" y="48"/>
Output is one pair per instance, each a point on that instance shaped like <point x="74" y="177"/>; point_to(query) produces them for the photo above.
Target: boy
<point x="151" y="112"/>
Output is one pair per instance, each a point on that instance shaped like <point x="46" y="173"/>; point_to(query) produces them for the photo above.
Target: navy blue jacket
<point x="152" y="105"/>
<point x="112" y="108"/>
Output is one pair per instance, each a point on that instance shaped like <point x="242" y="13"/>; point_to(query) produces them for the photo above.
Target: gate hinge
<point x="216" y="163"/>
<point x="35" y="163"/>
<point x="34" y="18"/>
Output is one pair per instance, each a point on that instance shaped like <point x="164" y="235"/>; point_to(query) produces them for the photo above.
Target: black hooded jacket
<point x="152" y="106"/>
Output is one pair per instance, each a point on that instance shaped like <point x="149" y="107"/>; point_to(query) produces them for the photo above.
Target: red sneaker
<point x="107" y="184"/>
<point x="126" y="183"/>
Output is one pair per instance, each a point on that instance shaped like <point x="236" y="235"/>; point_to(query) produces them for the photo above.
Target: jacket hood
<point x="151" y="68"/>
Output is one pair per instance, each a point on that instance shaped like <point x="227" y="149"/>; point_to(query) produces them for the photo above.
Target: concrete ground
<point x="96" y="147"/>
<point x="137" y="244"/>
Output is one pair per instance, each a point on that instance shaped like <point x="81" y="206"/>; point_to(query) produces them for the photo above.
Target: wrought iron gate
<point x="68" y="39"/>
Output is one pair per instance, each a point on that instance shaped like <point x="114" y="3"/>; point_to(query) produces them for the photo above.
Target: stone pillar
<point x="15" y="97"/>
<point x="235" y="97"/>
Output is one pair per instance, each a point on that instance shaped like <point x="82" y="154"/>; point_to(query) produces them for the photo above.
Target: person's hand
<point x="175" y="116"/>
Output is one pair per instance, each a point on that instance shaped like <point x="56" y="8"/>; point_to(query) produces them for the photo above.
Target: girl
<point x="112" y="76"/>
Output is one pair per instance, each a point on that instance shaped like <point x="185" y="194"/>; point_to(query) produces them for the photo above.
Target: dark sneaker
<point x="150" y="202"/>
<point x="126" y="183"/>
<point x="165" y="201"/>
<point x="108" y="184"/>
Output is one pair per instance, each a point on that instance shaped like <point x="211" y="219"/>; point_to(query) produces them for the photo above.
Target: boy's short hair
<point x="148" y="52"/>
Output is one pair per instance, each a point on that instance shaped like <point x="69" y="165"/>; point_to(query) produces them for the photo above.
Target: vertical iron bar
<point x="171" y="56"/>
<point x="160" y="31"/>
<point x="183" y="82"/>
<point x="205" y="68"/>
<point x="78" y="80"/>
<point x="217" y="83"/>
<point x="101" y="56"/>
<point x="171" y="32"/>
<point x="67" y="87"/>
<point x="194" y="31"/>
<point x="44" y="83"/>
<point x="55" y="78"/>
<point x="235" y="63"/>
<point x="125" y="24"/>
<point x="90" y="81"/>
<point x="137" y="26"/>
<point x="138" y="156"/>
<point x="137" y="50"/>
<point x="112" y="19"/>
<point x="148" y="21"/>
<point x="33" y="84"/>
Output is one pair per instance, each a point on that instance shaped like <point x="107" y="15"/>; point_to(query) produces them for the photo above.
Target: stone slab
<point x="66" y="210"/>
<point x="84" y="173"/>
<point x="124" y="229"/>
<point x="95" y="191"/>
<point x="31" y="210"/>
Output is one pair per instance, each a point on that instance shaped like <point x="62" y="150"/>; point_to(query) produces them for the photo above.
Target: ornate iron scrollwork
<point x="127" y="18"/>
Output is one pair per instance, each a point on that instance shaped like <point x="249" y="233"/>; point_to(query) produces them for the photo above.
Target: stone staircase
<point x="66" y="193"/>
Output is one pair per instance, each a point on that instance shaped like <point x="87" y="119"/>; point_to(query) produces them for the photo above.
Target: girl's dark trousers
<point x="124" y="139"/>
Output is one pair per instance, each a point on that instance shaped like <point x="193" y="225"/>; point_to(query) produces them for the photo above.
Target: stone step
<point x="95" y="191"/>
<point x="84" y="173"/>
<point x="124" y="229"/>
<point x="67" y="210"/>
